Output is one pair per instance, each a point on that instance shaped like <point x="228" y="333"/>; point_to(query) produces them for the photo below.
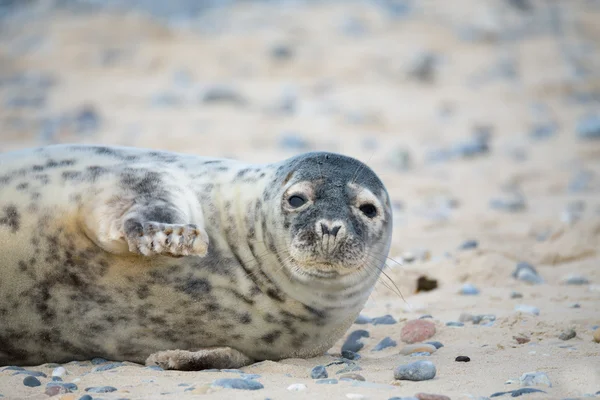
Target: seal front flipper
<point x="151" y="237"/>
<point x="217" y="357"/>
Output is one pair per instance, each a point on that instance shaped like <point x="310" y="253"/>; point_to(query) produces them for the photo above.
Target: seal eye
<point x="369" y="210"/>
<point x="296" y="201"/>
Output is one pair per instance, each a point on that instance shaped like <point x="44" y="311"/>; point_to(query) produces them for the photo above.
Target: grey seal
<point x="183" y="261"/>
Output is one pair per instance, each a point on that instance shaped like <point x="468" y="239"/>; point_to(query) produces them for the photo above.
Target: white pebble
<point x="296" y="387"/>
<point x="355" y="396"/>
<point x="527" y="309"/>
<point x="59" y="371"/>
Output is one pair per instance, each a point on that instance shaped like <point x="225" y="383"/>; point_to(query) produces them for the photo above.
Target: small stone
<point x="87" y="120"/>
<point x="596" y="335"/>
<point x="437" y="345"/>
<point x="281" y="52"/>
<point x="462" y="359"/>
<point x="527" y="273"/>
<point x="31" y="373"/>
<point x="483" y="319"/>
<point x="384" y="344"/>
<point x="31" y="381"/>
<point x="355" y="396"/>
<point x="107" y="367"/>
<point x="516" y="295"/>
<point x="511" y="202"/>
<point x="567" y="335"/>
<point x="422" y="67"/>
<point x="86" y="397"/>
<point x="535" y="379"/>
<point x="296" y="387"/>
<point x="349" y="368"/>
<point x="588" y="127"/>
<point x="353" y="342"/>
<point x="156" y="368"/>
<point x="232" y="370"/>
<point x="421" y="354"/>
<point x="319" y="372"/>
<point x="576" y="280"/>
<point x="415" y="371"/>
<point x="362" y="320"/>
<point x="101" y="389"/>
<point x="98" y="361"/>
<point x="13" y="368"/>
<point x="469" y="245"/>
<point x="424" y="284"/>
<point x="238" y="383"/>
<point x="417" y="330"/>
<point x="469" y="289"/>
<point x="454" y="323"/>
<point x="352" y="377"/>
<point x="418" y="348"/>
<point x="59" y="371"/>
<point x="429" y="396"/>
<point x="527" y="309"/>
<point x="385" y="320"/>
<point x="249" y="376"/>
<point x="54" y="388"/>
<point x="426" y="316"/>
<point x="350" y="355"/>
<point x="521" y="339"/>
<point x="518" y="392"/>
<point x="327" y="381"/>
<point x="222" y="94"/>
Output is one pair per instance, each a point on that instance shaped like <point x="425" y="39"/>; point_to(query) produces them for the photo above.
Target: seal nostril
<point x="335" y="230"/>
<point x="324" y="229"/>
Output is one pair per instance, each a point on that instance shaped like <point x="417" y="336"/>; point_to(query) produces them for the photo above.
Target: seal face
<point x="188" y="262"/>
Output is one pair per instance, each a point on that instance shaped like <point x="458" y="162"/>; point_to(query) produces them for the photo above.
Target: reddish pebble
<point x="417" y="330"/>
<point x="54" y="390"/>
<point x="429" y="396"/>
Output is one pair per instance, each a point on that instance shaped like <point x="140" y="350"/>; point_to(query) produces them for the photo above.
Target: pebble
<point x="596" y="335"/>
<point x="101" y="389"/>
<point x="87" y="120"/>
<point x="281" y="51"/>
<point x="355" y="396"/>
<point x="568" y="334"/>
<point x="353" y="342"/>
<point x="422" y="67"/>
<point x="107" y="367"/>
<point x="59" y="371"/>
<point x="437" y="345"/>
<point x="54" y="388"/>
<point x="429" y="396"/>
<point x="362" y="320"/>
<point x="296" y="387"/>
<point x="13" y="368"/>
<point x="469" y="289"/>
<point x="535" y="379"/>
<point x="222" y="94"/>
<point x="462" y="359"/>
<point x="521" y="339"/>
<point x="31" y="373"/>
<point x="238" y="383"/>
<point x="518" y="392"/>
<point x="527" y="273"/>
<point x="57" y="379"/>
<point x="352" y="377"/>
<point x="469" y="245"/>
<point x="98" y="361"/>
<point x="588" y="127"/>
<point x="319" y="372"/>
<point x="527" y="309"/>
<point x="385" y="320"/>
<point x="155" y="368"/>
<point x="421" y="354"/>
<point x="454" y="323"/>
<point x="415" y="371"/>
<point x="349" y="368"/>
<point x="350" y="355"/>
<point x="516" y="295"/>
<point x="384" y="344"/>
<point x="511" y="202"/>
<point x="31" y="381"/>
<point x="327" y="381"/>
<point x="86" y="397"/>
<point x="417" y="330"/>
<point x="418" y="348"/>
<point x="576" y="280"/>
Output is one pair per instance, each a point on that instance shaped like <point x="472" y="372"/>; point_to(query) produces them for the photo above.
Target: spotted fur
<point x="121" y="253"/>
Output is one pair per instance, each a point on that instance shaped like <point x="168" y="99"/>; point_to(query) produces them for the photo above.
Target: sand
<point x="341" y="77"/>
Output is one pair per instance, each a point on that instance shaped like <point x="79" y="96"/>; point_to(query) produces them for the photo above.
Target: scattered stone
<point x="107" y="367"/>
<point x="429" y="396"/>
<point x="418" y="348"/>
<point x="98" y="361"/>
<point x="86" y="397"/>
<point x="518" y="392"/>
<point x="232" y="370"/>
<point x="54" y="388"/>
<point x="511" y="202"/>
<point x="516" y="295"/>
<point x="469" y="245"/>
<point x="353" y="342"/>
<point x="400" y="159"/>
<point x="423" y="66"/>
<point x="31" y="381"/>
<point x="469" y="289"/>
<point x="415" y="371"/>
<point x="421" y="354"/>
<point x="424" y="284"/>
<point x="319" y="372"/>
<point x="352" y="377"/>
<point x="350" y="355"/>
<point x="362" y="320"/>
<point x="281" y="51"/>
<point x="238" y="383"/>
<point x="417" y="330"/>
<point x="462" y="359"/>
<point x="31" y="373"/>
<point x="384" y="344"/>
<point x="222" y="94"/>
<point x="87" y="120"/>
<point x="527" y="309"/>
<point x="535" y="379"/>
<point x="576" y="280"/>
<point x="437" y="345"/>
<point x="527" y="273"/>
<point x="521" y="339"/>
<point x="296" y="387"/>
<point x="483" y="319"/>
<point x="597" y="335"/>
<point x="575" y="305"/>
<point x="13" y="368"/>
<point x="568" y="334"/>
<point x="330" y="381"/>
<point x="349" y="368"/>
<point x="59" y="371"/>
<point x="57" y="379"/>
<point x="454" y="323"/>
<point x="426" y="316"/>
<point x="101" y="389"/>
<point x="385" y="320"/>
<point x="249" y="376"/>
<point x="588" y="127"/>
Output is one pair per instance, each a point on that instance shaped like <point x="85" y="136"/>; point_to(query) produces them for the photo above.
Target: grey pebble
<point x="13" y="368"/>
<point x="70" y="387"/>
<point x="101" y="389"/>
<point x="422" y="66"/>
<point x="231" y="370"/>
<point x="57" y="379"/>
<point x="384" y="320"/>
<point x="426" y="316"/>
<point x="435" y="344"/>
<point x="293" y="141"/>
<point x="349" y="368"/>
<point x="518" y="392"/>
<point x="526" y="272"/>
<point x="281" y="51"/>
<point x="511" y="202"/>
<point x="31" y="381"/>
<point x="353" y="341"/>
<point x="87" y="120"/>
<point x="249" y="376"/>
<point x="31" y="373"/>
<point x="516" y="295"/>
<point x="98" y="361"/>
<point x="237" y="383"/>
<point x="222" y="94"/>
<point x="454" y="323"/>
<point x="567" y="335"/>
<point x="588" y="127"/>
<point x="579" y="182"/>
<point x="468" y="289"/>
<point x="469" y="245"/>
<point x="420" y="354"/>
<point x="362" y="320"/>
<point x="535" y="379"/>
<point x="327" y="381"/>
<point x="577" y="280"/>
<point x="352" y="377"/>
<point x="384" y="344"/>
<point x="107" y="367"/>
<point x="154" y="368"/>
<point x="318" y="372"/>
<point x="86" y="397"/>
<point x="415" y="371"/>
<point x="350" y="355"/>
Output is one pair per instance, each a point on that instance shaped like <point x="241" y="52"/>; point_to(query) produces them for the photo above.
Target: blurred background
<point x="472" y="111"/>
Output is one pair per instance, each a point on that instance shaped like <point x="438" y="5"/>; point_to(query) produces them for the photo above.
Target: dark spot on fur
<point x="11" y="218"/>
<point x="196" y="288"/>
<point x="271" y="337"/>
<point x="275" y="295"/>
<point x="22" y="186"/>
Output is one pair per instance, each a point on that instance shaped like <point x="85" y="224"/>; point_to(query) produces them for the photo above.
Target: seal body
<point x="121" y="253"/>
